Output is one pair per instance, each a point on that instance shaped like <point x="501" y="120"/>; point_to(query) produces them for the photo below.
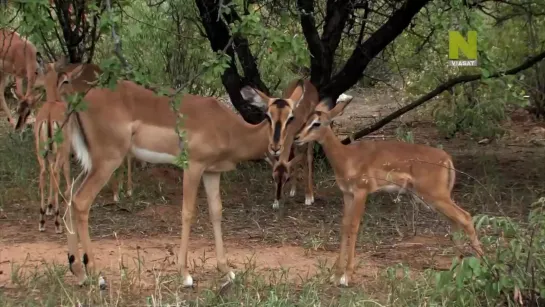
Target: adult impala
<point x="286" y="116"/>
<point x="369" y="166"/>
<point x="49" y="118"/>
<point x="19" y="58"/>
<point x="136" y="120"/>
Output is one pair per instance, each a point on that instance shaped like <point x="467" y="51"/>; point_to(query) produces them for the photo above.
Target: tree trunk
<point x="219" y="37"/>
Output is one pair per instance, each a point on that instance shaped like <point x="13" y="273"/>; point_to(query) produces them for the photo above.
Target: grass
<point x="396" y="268"/>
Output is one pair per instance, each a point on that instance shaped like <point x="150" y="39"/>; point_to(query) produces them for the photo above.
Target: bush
<point x="511" y="273"/>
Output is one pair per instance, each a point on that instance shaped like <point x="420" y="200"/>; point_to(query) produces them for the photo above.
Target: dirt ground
<point x="143" y="232"/>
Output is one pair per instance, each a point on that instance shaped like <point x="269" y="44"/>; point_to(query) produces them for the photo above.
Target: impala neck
<point x="52" y="94"/>
<point x="334" y="150"/>
<point x="252" y="143"/>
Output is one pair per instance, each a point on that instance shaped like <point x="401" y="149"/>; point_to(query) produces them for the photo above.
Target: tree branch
<point x="364" y="53"/>
<point x="438" y="90"/>
<point x="315" y="47"/>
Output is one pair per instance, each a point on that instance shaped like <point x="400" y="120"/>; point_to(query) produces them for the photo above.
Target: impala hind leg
<point x="97" y="177"/>
<point x="460" y="219"/>
<point x="309" y="163"/>
<point x="212" y="187"/>
<point x="129" y="175"/>
<point x="191" y="182"/>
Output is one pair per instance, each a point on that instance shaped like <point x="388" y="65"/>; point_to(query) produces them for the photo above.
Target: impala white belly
<point x="152" y="156"/>
<point x="392" y="188"/>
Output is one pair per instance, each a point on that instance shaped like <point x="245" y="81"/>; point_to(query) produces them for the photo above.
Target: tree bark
<point x="438" y="90"/>
<point x="323" y="49"/>
<point x="79" y="36"/>
<point x="218" y="35"/>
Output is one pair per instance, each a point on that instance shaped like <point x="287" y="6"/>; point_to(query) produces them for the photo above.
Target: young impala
<point x="49" y="118"/>
<point x="286" y="115"/>
<point x="19" y="58"/>
<point x="133" y="119"/>
<point x="368" y="166"/>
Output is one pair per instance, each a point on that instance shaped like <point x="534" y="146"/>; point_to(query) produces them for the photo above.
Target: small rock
<point x="484" y="141"/>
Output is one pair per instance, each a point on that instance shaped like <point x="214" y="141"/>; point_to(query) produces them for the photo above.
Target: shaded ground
<point x="301" y="238"/>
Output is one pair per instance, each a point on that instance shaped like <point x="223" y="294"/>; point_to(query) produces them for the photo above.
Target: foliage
<point x="510" y="274"/>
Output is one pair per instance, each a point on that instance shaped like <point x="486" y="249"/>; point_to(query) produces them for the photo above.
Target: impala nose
<point x="275" y="150"/>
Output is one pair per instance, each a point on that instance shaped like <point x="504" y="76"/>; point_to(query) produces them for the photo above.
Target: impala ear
<point x="255" y="97"/>
<point x="342" y="102"/>
<point x="298" y="93"/>
<point x="324" y="105"/>
<point x="76" y="73"/>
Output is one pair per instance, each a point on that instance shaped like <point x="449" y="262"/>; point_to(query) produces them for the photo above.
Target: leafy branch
<point x="438" y="90"/>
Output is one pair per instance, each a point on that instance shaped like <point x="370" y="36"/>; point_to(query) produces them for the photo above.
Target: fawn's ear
<point x="324" y="105"/>
<point x="255" y="97"/>
<point x="344" y="100"/>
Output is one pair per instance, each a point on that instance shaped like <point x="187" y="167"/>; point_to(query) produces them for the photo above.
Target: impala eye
<point x="315" y="125"/>
<point x="290" y="119"/>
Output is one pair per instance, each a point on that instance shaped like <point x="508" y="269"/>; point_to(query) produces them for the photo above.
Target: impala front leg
<point x="358" y="209"/>
<point x="191" y="181"/>
<point x="212" y="186"/>
<point x="91" y="186"/>
<point x="309" y="193"/>
<point x="339" y="277"/>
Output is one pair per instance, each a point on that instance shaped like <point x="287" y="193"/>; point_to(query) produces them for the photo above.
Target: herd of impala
<point x="134" y="121"/>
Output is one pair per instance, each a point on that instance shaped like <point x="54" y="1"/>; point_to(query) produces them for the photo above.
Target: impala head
<point x="319" y="121"/>
<point x="279" y="112"/>
<point x="281" y="171"/>
<point x="24" y="102"/>
<point x="53" y="76"/>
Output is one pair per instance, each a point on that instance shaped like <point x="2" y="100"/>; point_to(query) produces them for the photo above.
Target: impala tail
<point x="80" y="143"/>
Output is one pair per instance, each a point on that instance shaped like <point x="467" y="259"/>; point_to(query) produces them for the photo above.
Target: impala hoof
<point x="49" y="210"/>
<point x="292" y="192"/>
<point x="340" y="281"/>
<point x="309" y="200"/>
<point x="276" y="204"/>
<point x="102" y="283"/>
<point x="188" y="281"/>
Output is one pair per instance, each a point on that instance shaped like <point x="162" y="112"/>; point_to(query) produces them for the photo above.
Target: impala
<point x="19" y="58"/>
<point x="369" y="166"/>
<point x="49" y="118"/>
<point x="133" y="119"/>
<point x="286" y="115"/>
